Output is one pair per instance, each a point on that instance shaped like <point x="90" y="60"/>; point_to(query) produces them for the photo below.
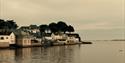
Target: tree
<point x="70" y="28"/>
<point x="1" y="20"/>
<point x="53" y="27"/>
<point x="43" y="28"/>
<point x="9" y="24"/>
<point x="2" y="24"/>
<point x="62" y="26"/>
<point x="33" y="26"/>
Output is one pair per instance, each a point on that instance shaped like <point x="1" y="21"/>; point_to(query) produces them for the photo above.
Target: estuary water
<point x="98" y="52"/>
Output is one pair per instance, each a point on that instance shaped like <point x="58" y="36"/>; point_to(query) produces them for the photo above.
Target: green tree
<point x="2" y="24"/>
<point x="70" y="28"/>
<point x="53" y="27"/>
<point x="62" y="26"/>
<point x="9" y="24"/>
<point x="34" y="26"/>
<point x="43" y="28"/>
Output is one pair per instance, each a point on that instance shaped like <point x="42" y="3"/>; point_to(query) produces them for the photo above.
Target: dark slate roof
<point x="5" y="33"/>
<point x="48" y="34"/>
<point x="74" y="34"/>
<point x="24" y="27"/>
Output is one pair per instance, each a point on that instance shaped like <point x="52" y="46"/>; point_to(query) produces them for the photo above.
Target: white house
<point x="74" y="37"/>
<point x="29" y="29"/>
<point x="7" y="37"/>
<point x="72" y="40"/>
<point x="48" y="36"/>
<point x="24" y="41"/>
<point x="35" y="30"/>
<point x="59" y="36"/>
<point x="23" y="38"/>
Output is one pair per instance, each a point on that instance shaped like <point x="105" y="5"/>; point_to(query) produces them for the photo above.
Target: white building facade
<point x="9" y="38"/>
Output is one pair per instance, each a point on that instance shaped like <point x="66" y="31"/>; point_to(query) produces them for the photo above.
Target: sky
<point x="92" y="19"/>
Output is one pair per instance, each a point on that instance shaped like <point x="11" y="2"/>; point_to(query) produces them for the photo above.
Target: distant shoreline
<point x="107" y="40"/>
<point x="117" y="40"/>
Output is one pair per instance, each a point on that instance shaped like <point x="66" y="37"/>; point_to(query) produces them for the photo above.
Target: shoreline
<point x="16" y="47"/>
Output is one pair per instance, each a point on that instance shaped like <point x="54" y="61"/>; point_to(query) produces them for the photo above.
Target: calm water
<point x="98" y="52"/>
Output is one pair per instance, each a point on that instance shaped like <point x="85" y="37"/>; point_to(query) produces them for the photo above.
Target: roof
<point x="24" y="27"/>
<point x="74" y="34"/>
<point x="28" y="27"/>
<point x="48" y="34"/>
<point x="5" y="33"/>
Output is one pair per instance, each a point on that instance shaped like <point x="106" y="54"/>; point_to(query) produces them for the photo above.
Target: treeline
<point x="53" y="27"/>
<point x="56" y="27"/>
<point x="8" y="24"/>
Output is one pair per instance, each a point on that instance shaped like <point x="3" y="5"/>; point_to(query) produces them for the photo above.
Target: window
<point x="29" y="41"/>
<point x="2" y="38"/>
<point x="25" y="41"/>
<point x="12" y="40"/>
<point x="6" y="37"/>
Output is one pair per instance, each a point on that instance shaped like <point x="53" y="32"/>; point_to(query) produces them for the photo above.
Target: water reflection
<point x="7" y="56"/>
<point x="62" y="54"/>
<point x="23" y="55"/>
<point x="56" y="54"/>
<point x="95" y="53"/>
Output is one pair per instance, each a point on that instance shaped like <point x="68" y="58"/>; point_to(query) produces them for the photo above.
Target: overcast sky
<point x="93" y="19"/>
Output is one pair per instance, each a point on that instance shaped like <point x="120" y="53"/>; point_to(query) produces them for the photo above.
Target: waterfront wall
<point x="4" y="44"/>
